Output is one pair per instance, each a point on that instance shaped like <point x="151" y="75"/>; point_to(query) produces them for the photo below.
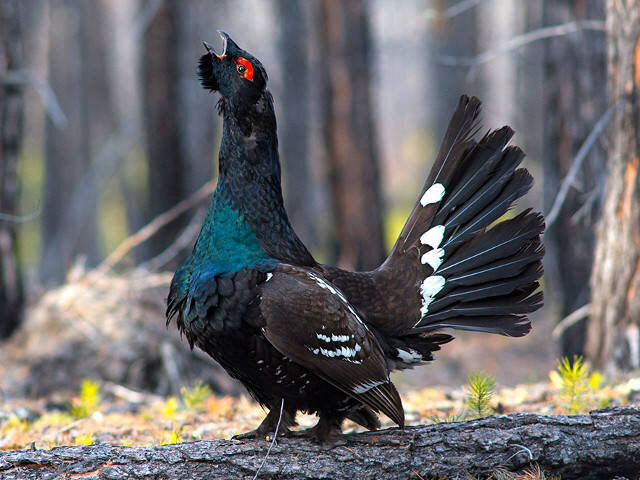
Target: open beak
<point x="212" y="51"/>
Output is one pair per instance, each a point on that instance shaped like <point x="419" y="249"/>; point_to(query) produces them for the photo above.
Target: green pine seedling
<point x="480" y="391"/>
<point x="195" y="397"/>
<point x="87" y="401"/>
<point x="575" y="381"/>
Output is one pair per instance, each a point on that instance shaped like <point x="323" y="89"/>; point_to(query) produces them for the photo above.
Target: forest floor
<point x="112" y="327"/>
<point x="110" y="413"/>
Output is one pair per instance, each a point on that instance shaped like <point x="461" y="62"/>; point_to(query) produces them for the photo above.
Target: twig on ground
<point x="273" y="441"/>
<point x="125" y="393"/>
<point x="584" y="150"/>
<point x="152" y="227"/>
<point x="520" y="41"/>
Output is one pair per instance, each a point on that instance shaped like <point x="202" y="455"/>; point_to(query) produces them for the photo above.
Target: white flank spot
<point x="434" y="258"/>
<point x="346" y="352"/>
<point x="365" y="387"/>
<point x="433" y="237"/>
<point x="433" y="195"/>
<point x="409" y="357"/>
<point x="339" y="338"/>
<point x="429" y="289"/>
<point x="323" y="337"/>
<point x="269" y="275"/>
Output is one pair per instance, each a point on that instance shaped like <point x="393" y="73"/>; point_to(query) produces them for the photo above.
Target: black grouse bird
<point x="324" y="340"/>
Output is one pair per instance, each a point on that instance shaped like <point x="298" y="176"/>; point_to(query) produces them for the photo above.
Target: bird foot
<point x="327" y="435"/>
<point x="261" y="433"/>
<point x="269" y="425"/>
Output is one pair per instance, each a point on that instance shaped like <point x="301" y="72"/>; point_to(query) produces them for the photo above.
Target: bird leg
<point x="269" y="424"/>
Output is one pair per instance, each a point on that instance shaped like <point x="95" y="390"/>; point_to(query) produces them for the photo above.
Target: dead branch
<point x="451" y="12"/>
<point x="584" y="150"/>
<point x="603" y="444"/>
<point x="152" y="227"/>
<point x="570" y="320"/>
<point x="520" y="41"/>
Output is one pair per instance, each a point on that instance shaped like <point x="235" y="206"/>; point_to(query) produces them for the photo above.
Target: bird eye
<point x="244" y="68"/>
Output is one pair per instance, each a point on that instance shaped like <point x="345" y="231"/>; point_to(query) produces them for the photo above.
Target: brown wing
<point x="309" y="320"/>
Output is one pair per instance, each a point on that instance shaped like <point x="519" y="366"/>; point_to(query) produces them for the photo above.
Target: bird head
<point x="236" y="74"/>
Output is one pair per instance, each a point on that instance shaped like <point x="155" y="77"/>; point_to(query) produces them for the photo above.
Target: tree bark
<point x="575" y="99"/>
<point x="614" y="326"/>
<point x="294" y="107"/>
<point x="163" y="149"/>
<point x="457" y="36"/>
<point x="604" y="444"/>
<point x="77" y="73"/>
<point x="11" y="123"/>
<point x="349" y="133"/>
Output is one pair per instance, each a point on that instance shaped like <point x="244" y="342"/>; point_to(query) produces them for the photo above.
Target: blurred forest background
<point x="104" y="129"/>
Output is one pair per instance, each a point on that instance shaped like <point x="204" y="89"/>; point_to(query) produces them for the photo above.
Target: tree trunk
<point x="349" y="133"/>
<point x="160" y="89"/>
<point x="455" y="36"/>
<point x="77" y="73"/>
<point x="575" y="99"/>
<point x="11" y="122"/>
<point x="294" y="107"/>
<point x="614" y="326"/>
<point x="605" y="444"/>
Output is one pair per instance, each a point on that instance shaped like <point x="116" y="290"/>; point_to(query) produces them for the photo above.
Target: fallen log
<point x="602" y="445"/>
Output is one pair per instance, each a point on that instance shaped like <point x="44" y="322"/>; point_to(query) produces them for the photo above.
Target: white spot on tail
<point x="410" y="356"/>
<point x="433" y="237"/>
<point x="434" y="258"/>
<point x="269" y="275"/>
<point x="430" y="287"/>
<point x="433" y="195"/>
<point x="365" y="387"/>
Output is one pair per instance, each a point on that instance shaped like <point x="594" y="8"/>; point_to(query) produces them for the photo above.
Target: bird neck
<point x="226" y="240"/>
<point x="249" y="181"/>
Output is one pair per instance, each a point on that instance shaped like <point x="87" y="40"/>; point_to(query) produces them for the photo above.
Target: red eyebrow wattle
<point x="248" y="73"/>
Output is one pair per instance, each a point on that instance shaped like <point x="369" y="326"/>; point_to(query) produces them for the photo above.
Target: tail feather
<point x="502" y="240"/>
<point x="487" y="193"/>
<point x="508" y="325"/>
<point x="501" y="287"/>
<point x="519" y="184"/>
<point x="503" y="268"/>
<point x="485" y="155"/>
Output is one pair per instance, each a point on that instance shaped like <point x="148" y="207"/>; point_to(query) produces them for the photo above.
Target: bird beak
<point x="212" y="51"/>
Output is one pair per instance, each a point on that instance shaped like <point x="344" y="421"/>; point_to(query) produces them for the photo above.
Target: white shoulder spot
<point x="433" y="194"/>
<point x="366" y="386"/>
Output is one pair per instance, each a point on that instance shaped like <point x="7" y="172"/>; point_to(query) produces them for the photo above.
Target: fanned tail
<point x="455" y="263"/>
<point x="468" y="273"/>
